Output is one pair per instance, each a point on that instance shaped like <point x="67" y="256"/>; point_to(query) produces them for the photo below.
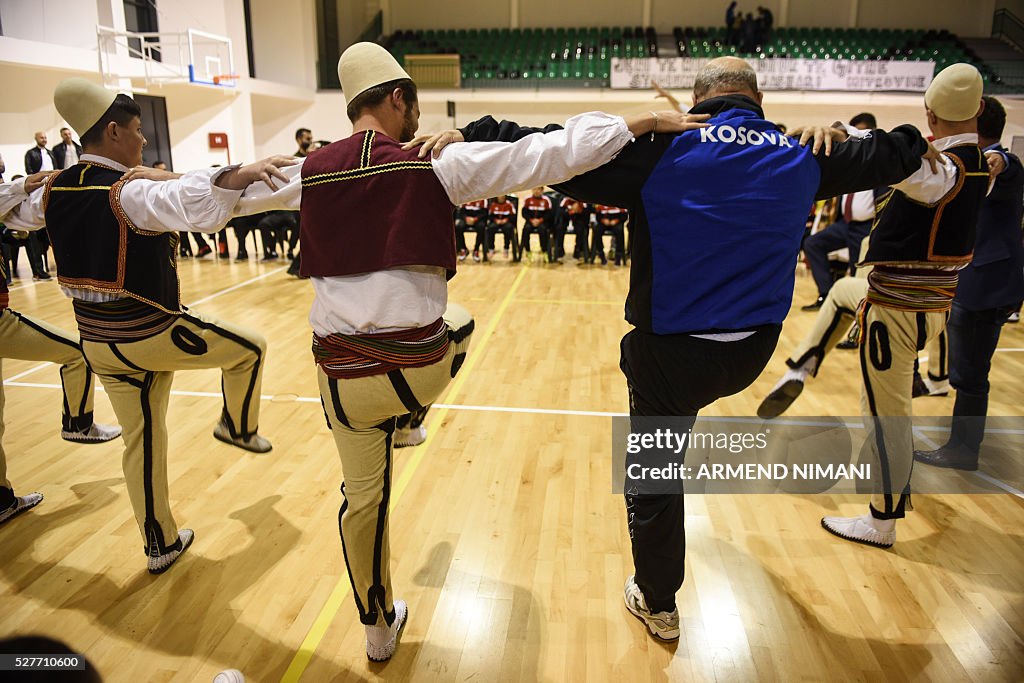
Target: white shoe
<point x="865" y="529"/>
<point x="1013" y="317"/>
<point x="158" y="564"/>
<point x="96" y="433"/>
<point x="255" y="443"/>
<point x="662" y="625"/>
<point x="229" y="676"/>
<point x="381" y="641"/>
<point x="413" y="436"/>
<point x="20" y="504"/>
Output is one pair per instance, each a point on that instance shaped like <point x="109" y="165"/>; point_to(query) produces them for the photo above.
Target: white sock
<point x="882" y="526"/>
<point x="378" y="636"/>
<point x="799" y="374"/>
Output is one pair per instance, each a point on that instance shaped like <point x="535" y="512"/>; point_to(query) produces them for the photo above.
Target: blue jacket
<point x="995" y="276"/>
<point x="717" y="214"/>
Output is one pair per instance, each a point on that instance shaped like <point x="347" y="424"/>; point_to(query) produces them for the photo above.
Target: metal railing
<point x="1007" y="26"/>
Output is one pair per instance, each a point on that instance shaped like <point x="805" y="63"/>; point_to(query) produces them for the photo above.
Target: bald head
<point x="725" y="76"/>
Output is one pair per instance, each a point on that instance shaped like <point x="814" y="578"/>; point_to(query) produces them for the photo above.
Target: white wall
<point x="963" y="17"/>
<point x="51" y="21"/>
<point x="413" y="14"/>
<point x="284" y="41"/>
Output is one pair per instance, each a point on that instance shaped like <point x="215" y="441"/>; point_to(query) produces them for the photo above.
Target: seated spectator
<point x="471" y="217"/>
<point x="612" y="219"/>
<point x="537" y="216"/>
<point x="575" y="215"/>
<point x="501" y="215"/>
<point x="856" y="212"/>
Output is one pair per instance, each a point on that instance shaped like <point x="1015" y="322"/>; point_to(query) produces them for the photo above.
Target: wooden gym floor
<point x="505" y="539"/>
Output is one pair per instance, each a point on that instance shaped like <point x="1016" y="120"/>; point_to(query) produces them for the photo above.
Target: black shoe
<point x="920" y="388"/>
<point x="953" y="456"/>
<point x="778" y="401"/>
<point x="815" y="306"/>
<point x="42" y="276"/>
<point x="242" y="256"/>
<point x="847" y="345"/>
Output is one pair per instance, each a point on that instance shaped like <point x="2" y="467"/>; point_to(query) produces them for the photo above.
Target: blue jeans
<point x="973" y="336"/>
<point x="836" y="236"/>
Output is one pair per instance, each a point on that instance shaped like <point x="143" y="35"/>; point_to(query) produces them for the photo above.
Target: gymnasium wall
<point x="965" y="17"/>
<point x="47" y="40"/>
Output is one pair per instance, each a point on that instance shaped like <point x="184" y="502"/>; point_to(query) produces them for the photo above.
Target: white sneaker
<point x="1013" y="317"/>
<point x="662" y="625"/>
<point x="158" y="564"/>
<point x="381" y="641"/>
<point x="20" y="504"/>
<point x="865" y="529"/>
<point x="96" y="433"/>
<point x="413" y="436"/>
<point x="229" y="676"/>
<point x="255" y="443"/>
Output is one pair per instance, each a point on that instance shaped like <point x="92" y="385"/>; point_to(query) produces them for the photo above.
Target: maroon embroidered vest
<point x="367" y="205"/>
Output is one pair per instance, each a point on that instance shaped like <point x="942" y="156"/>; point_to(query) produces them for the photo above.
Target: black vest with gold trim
<point x="98" y="248"/>
<point x="929" y="235"/>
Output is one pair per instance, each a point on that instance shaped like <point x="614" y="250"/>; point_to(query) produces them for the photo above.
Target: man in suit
<point x="39" y="158"/>
<point x="65" y="155"/>
<point x="990" y="288"/>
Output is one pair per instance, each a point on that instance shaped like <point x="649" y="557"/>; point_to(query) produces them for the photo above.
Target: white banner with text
<point x="849" y="75"/>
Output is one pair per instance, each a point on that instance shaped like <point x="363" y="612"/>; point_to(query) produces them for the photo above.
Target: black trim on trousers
<point x="336" y="400"/>
<point x="70" y="422"/>
<point x="943" y="359"/>
<point x="922" y="331"/>
<point x="120" y="356"/>
<point x="404" y="391"/>
<point x="456" y="336"/>
<point x="243" y="433"/>
<point x="344" y="554"/>
<point x="377" y="594"/>
<point x="818" y="350"/>
<point x="154" y="534"/>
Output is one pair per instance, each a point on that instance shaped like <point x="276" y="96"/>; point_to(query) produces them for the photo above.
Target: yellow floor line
<point x="569" y="301"/>
<point x="330" y="609"/>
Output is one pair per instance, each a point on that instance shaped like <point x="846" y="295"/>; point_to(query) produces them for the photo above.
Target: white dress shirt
<point x="70" y="155"/>
<point x="928" y="187"/>
<point x="191" y="202"/>
<point x="46" y="162"/>
<point x="863" y="207"/>
<point x="411" y="297"/>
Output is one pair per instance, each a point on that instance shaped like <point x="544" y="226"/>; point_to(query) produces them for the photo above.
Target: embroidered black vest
<point x="98" y="248"/>
<point x="940" y="234"/>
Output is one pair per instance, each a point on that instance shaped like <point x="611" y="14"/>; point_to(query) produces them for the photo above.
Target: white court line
<point x="25" y="285"/>
<point x="290" y="398"/>
<point x="27" y="372"/>
<point x="594" y="413"/>
<point x="980" y="475"/>
<point x="200" y="301"/>
<point x="238" y="286"/>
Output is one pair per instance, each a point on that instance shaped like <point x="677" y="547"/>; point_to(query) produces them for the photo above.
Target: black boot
<point x="952" y="455"/>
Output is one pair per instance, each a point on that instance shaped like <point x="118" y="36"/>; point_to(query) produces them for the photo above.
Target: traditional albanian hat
<point x="365" y="65"/>
<point x="82" y="103"/>
<point x="955" y="93"/>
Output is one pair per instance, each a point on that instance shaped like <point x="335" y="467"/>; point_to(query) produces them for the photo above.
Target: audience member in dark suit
<point x="39" y="158"/>
<point x="990" y="288"/>
<point x="67" y="153"/>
